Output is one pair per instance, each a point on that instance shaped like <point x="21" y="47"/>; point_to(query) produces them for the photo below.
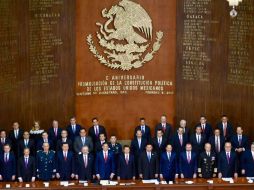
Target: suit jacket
<point x="147" y="133"/>
<point x="207" y="164"/>
<point x="159" y="148"/>
<point x="26" y="172"/>
<point x="148" y="168"/>
<point x="229" y="130"/>
<point x="78" y="144"/>
<point x="166" y="133"/>
<point x="12" y="136"/>
<point x="208" y="130"/>
<point x="185" y="168"/>
<point x="244" y="143"/>
<point x="104" y="167"/>
<point x="15" y="141"/>
<point x="54" y="137"/>
<point x="227" y="169"/>
<point x="71" y="134"/>
<point x="22" y="146"/>
<point x="7" y="141"/>
<point x="213" y="143"/>
<point x="126" y="170"/>
<point x="247" y="163"/>
<point x="168" y="168"/>
<point x="60" y="143"/>
<point x="40" y="144"/>
<point x="197" y="147"/>
<point x="7" y="169"/>
<point x="65" y="167"/>
<point x="92" y="134"/>
<point x="187" y="132"/>
<point x="85" y="173"/>
<point x="135" y="149"/>
<point x="177" y="147"/>
<point x="98" y="147"/>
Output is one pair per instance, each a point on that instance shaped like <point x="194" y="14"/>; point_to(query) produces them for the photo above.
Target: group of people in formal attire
<point x="77" y="153"/>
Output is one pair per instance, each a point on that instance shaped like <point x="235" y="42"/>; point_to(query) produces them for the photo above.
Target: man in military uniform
<point x="207" y="162"/>
<point x="114" y="146"/>
<point x="45" y="163"/>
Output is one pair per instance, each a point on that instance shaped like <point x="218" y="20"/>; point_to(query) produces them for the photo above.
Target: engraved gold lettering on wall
<point x="9" y="47"/>
<point x="45" y="39"/>
<point x="125" y="84"/>
<point x="241" y="45"/>
<point x="196" y="58"/>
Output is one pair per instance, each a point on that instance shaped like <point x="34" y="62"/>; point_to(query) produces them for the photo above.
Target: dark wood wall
<point x="37" y="62"/>
<point x="221" y="85"/>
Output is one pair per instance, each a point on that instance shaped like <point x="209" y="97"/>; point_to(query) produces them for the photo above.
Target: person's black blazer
<point x="92" y="134"/>
<point x="229" y="130"/>
<point x="148" y="168"/>
<point x="147" y="133"/>
<point x="84" y="173"/>
<point x="212" y="142"/>
<point x="21" y="147"/>
<point x="167" y="133"/>
<point x="60" y="143"/>
<point x="197" y="147"/>
<point x="26" y="172"/>
<point x="126" y="170"/>
<point x="159" y="149"/>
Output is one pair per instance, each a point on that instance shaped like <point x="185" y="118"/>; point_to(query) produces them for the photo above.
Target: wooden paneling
<point x="41" y="89"/>
<point x="218" y="95"/>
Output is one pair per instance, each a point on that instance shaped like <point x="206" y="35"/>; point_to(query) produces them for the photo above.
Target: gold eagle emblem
<point x="125" y="37"/>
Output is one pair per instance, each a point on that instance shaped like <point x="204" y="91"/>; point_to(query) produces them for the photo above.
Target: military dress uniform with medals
<point x="46" y="166"/>
<point x="207" y="165"/>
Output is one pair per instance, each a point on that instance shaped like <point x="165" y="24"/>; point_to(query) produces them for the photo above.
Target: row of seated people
<point x="65" y="165"/>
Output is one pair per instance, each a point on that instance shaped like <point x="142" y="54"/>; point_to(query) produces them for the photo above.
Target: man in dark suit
<point x="54" y="133"/>
<point x="73" y="129"/>
<point x="64" y="139"/>
<point x="44" y="139"/>
<point x="145" y="129"/>
<point x="159" y="143"/>
<point x="126" y="165"/>
<point x="207" y="163"/>
<point x="168" y="165"/>
<point x="85" y="165"/>
<point x="240" y="143"/>
<point x="226" y="129"/>
<point x="7" y="165"/>
<point x="186" y="130"/>
<point x="227" y="162"/>
<point x="165" y="127"/>
<point x="188" y="163"/>
<point x="217" y="141"/>
<point x="206" y="128"/>
<point x="198" y="141"/>
<point x="4" y="140"/>
<point x="24" y="143"/>
<point x="26" y="167"/>
<point x="148" y="165"/>
<point x="15" y="135"/>
<point x="179" y="141"/>
<point x="81" y="141"/>
<point x="105" y="164"/>
<point x="138" y="145"/>
<point x="247" y="162"/>
<point x="96" y="130"/>
<point x="99" y="144"/>
<point x="65" y="169"/>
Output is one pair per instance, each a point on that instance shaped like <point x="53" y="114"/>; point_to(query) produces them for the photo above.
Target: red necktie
<point x="106" y="157"/>
<point x="225" y="130"/>
<point x="65" y="156"/>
